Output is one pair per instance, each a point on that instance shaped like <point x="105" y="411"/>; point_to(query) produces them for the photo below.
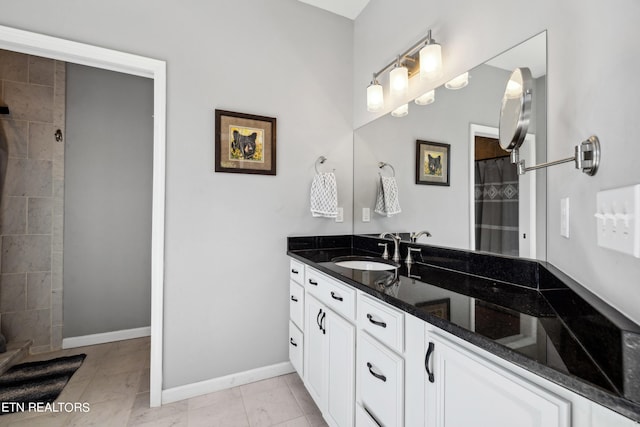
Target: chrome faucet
<point x="396" y="244"/>
<point x="416" y="236"/>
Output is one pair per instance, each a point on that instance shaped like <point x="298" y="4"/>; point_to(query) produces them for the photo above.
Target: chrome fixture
<point x="424" y="57"/>
<point x="396" y="244"/>
<point x="415" y="236"/>
<point x="514" y="123"/>
<point x="409" y="259"/>
<point x="385" y="254"/>
<point x="58" y="135"/>
<point x="384" y="165"/>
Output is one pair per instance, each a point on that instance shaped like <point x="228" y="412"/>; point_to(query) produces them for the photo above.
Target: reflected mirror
<point x="485" y="205"/>
<point x="515" y="111"/>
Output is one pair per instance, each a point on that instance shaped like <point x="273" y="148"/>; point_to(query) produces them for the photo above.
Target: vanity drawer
<point x="296" y="271"/>
<point x="296" y="341"/>
<point x="296" y="304"/>
<point x="341" y="298"/>
<point x="382" y="321"/>
<point x="364" y="418"/>
<point x="380" y="376"/>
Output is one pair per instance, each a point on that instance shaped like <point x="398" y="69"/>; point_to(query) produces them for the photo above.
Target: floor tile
<point x="316" y="420"/>
<point x="109" y="387"/>
<point x="298" y="422"/>
<point x="107" y="413"/>
<point x="229" y="413"/>
<point x="219" y="397"/>
<point x="303" y="398"/>
<point x="271" y="407"/>
<point x="261" y="386"/>
<point x="141" y="413"/>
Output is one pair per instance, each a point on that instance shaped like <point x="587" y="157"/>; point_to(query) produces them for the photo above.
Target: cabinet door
<point x="471" y="391"/>
<point x="314" y="349"/>
<point x="341" y="373"/>
<point x="296" y="344"/>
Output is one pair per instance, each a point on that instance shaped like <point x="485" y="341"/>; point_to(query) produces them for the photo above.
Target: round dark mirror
<point x="516" y="108"/>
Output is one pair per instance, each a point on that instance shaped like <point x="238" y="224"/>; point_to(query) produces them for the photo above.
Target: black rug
<point x="36" y="382"/>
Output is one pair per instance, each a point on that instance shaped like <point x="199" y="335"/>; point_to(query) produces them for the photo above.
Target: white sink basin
<point x="365" y="263"/>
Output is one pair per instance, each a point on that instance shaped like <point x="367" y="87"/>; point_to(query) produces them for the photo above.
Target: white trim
<point x="80" y="53"/>
<point x="125" y="334"/>
<point x="216" y="384"/>
<point x="492" y="132"/>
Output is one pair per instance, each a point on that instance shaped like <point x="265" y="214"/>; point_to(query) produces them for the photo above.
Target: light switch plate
<point x="366" y="214"/>
<point x="340" y="216"/>
<point x="564" y="217"/>
<point x="617" y="217"/>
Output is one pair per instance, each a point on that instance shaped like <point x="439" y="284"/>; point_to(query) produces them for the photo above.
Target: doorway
<point x="84" y="54"/>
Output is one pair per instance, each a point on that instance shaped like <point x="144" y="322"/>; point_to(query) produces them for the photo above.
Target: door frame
<point x="31" y="43"/>
<point x="529" y="144"/>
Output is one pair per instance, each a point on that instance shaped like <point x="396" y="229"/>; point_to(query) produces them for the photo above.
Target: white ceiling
<point x="348" y="8"/>
<point x="531" y="53"/>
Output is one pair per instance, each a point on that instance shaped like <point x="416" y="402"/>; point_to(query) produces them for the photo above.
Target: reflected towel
<point x="387" y="203"/>
<point x="324" y="195"/>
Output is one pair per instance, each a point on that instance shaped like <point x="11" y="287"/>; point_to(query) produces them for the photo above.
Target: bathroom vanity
<point x="455" y="339"/>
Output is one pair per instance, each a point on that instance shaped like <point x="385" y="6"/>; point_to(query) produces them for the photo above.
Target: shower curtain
<point x="496" y="206"/>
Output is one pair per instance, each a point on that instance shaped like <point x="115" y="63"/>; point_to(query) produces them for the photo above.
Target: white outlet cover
<point x="564" y="217"/>
<point x="340" y="216"/>
<point x="366" y="214"/>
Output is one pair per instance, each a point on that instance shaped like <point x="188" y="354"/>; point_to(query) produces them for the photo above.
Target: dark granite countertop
<point x="526" y="312"/>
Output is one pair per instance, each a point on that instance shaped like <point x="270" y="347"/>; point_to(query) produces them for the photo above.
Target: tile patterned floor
<point x="114" y="379"/>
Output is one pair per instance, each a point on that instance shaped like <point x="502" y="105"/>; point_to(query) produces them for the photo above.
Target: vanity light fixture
<point x="401" y="111"/>
<point x="375" y="97"/>
<point x="458" y="82"/>
<point x="426" y="98"/>
<point x="424" y="57"/>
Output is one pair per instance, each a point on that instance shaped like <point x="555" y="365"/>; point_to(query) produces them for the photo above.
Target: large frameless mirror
<point x="484" y="204"/>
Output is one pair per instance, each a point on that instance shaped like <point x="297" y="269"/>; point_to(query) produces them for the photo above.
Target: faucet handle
<point x="385" y="254"/>
<point x="409" y="257"/>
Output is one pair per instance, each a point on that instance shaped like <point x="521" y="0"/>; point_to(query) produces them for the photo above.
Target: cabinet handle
<point x="372" y="417"/>
<point x="312" y="282"/>
<point x="426" y="363"/>
<point x="318" y="319"/>
<point x="294" y="299"/>
<point x="378" y="376"/>
<point x="294" y="271"/>
<point x="336" y="296"/>
<point x="375" y="322"/>
<point x="324" y="329"/>
<point x="293" y="343"/>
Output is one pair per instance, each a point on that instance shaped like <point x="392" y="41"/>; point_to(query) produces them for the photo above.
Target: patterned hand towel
<point x="324" y="195"/>
<point x="387" y="203"/>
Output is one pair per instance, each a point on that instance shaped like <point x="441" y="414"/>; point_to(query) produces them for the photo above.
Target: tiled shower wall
<point x="31" y="212"/>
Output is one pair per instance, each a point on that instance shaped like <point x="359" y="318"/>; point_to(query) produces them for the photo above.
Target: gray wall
<point x="226" y="275"/>
<point x="587" y="94"/>
<point x="107" y="234"/>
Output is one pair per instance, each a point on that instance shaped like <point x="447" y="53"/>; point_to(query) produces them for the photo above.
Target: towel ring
<point x="383" y="164"/>
<point x="320" y="160"/>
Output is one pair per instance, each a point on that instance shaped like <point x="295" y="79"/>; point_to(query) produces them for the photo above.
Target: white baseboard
<point x="104" y="337"/>
<point x="216" y="384"/>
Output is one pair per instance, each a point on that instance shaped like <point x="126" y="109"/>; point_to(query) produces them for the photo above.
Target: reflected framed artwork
<point x="440" y="307"/>
<point x="432" y="163"/>
<point x="245" y="143"/>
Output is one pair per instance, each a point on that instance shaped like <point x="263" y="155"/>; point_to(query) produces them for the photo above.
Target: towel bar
<point x="383" y="164"/>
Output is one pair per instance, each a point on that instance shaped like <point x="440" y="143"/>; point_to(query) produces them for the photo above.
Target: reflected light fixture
<point x="458" y="82"/>
<point x="401" y="111"/>
<point x="430" y="59"/>
<point x="424" y="57"/>
<point x="426" y="98"/>
<point x="375" y="97"/>
<point x="513" y="90"/>
<point x="399" y="80"/>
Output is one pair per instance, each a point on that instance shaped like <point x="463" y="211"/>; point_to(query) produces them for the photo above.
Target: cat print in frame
<point x="433" y="160"/>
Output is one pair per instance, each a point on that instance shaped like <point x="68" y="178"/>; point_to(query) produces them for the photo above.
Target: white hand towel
<point x="387" y="202"/>
<point x="324" y="195"/>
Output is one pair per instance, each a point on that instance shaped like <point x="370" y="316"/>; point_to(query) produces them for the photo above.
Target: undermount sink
<point x="365" y="263"/>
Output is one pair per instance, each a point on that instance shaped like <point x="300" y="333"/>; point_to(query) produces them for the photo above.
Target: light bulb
<point x="399" y="81"/>
<point x="401" y="111"/>
<point x="375" y="98"/>
<point x="426" y="98"/>
<point x="431" y="61"/>
<point x="458" y="82"/>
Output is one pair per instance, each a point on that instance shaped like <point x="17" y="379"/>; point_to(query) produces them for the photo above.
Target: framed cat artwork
<point x="245" y="143"/>
<point x="432" y="163"/>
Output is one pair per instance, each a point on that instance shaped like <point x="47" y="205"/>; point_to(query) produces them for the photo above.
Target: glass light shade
<point x="427" y="98"/>
<point x="401" y="111"/>
<point x="514" y="89"/>
<point x="431" y="62"/>
<point x="458" y="82"/>
<point x="375" y="98"/>
<point x="399" y="81"/>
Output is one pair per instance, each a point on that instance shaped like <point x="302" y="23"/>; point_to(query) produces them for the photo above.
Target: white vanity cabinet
<point x="296" y="316"/>
<point x="463" y="389"/>
<point x="330" y="349"/>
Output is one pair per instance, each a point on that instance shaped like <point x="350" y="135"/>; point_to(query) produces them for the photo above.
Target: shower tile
<point x="13" y="66"/>
<point x="16" y="132"/>
<point x="21" y="254"/>
<point x="41" y="70"/>
<point x="27" y="177"/>
<point x="12" y="292"/>
<point x="39" y="216"/>
<point x="56" y="278"/>
<point x="38" y="291"/>
<point x="29" y="102"/>
<point x="56" y="337"/>
<point x="58" y="233"/>
<point x="59" y="95"/>
<point x="25" y="325"/>
<point x="41" y="141"/>
<point x="14" y="215"/>
<point x="56" y="307"/>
